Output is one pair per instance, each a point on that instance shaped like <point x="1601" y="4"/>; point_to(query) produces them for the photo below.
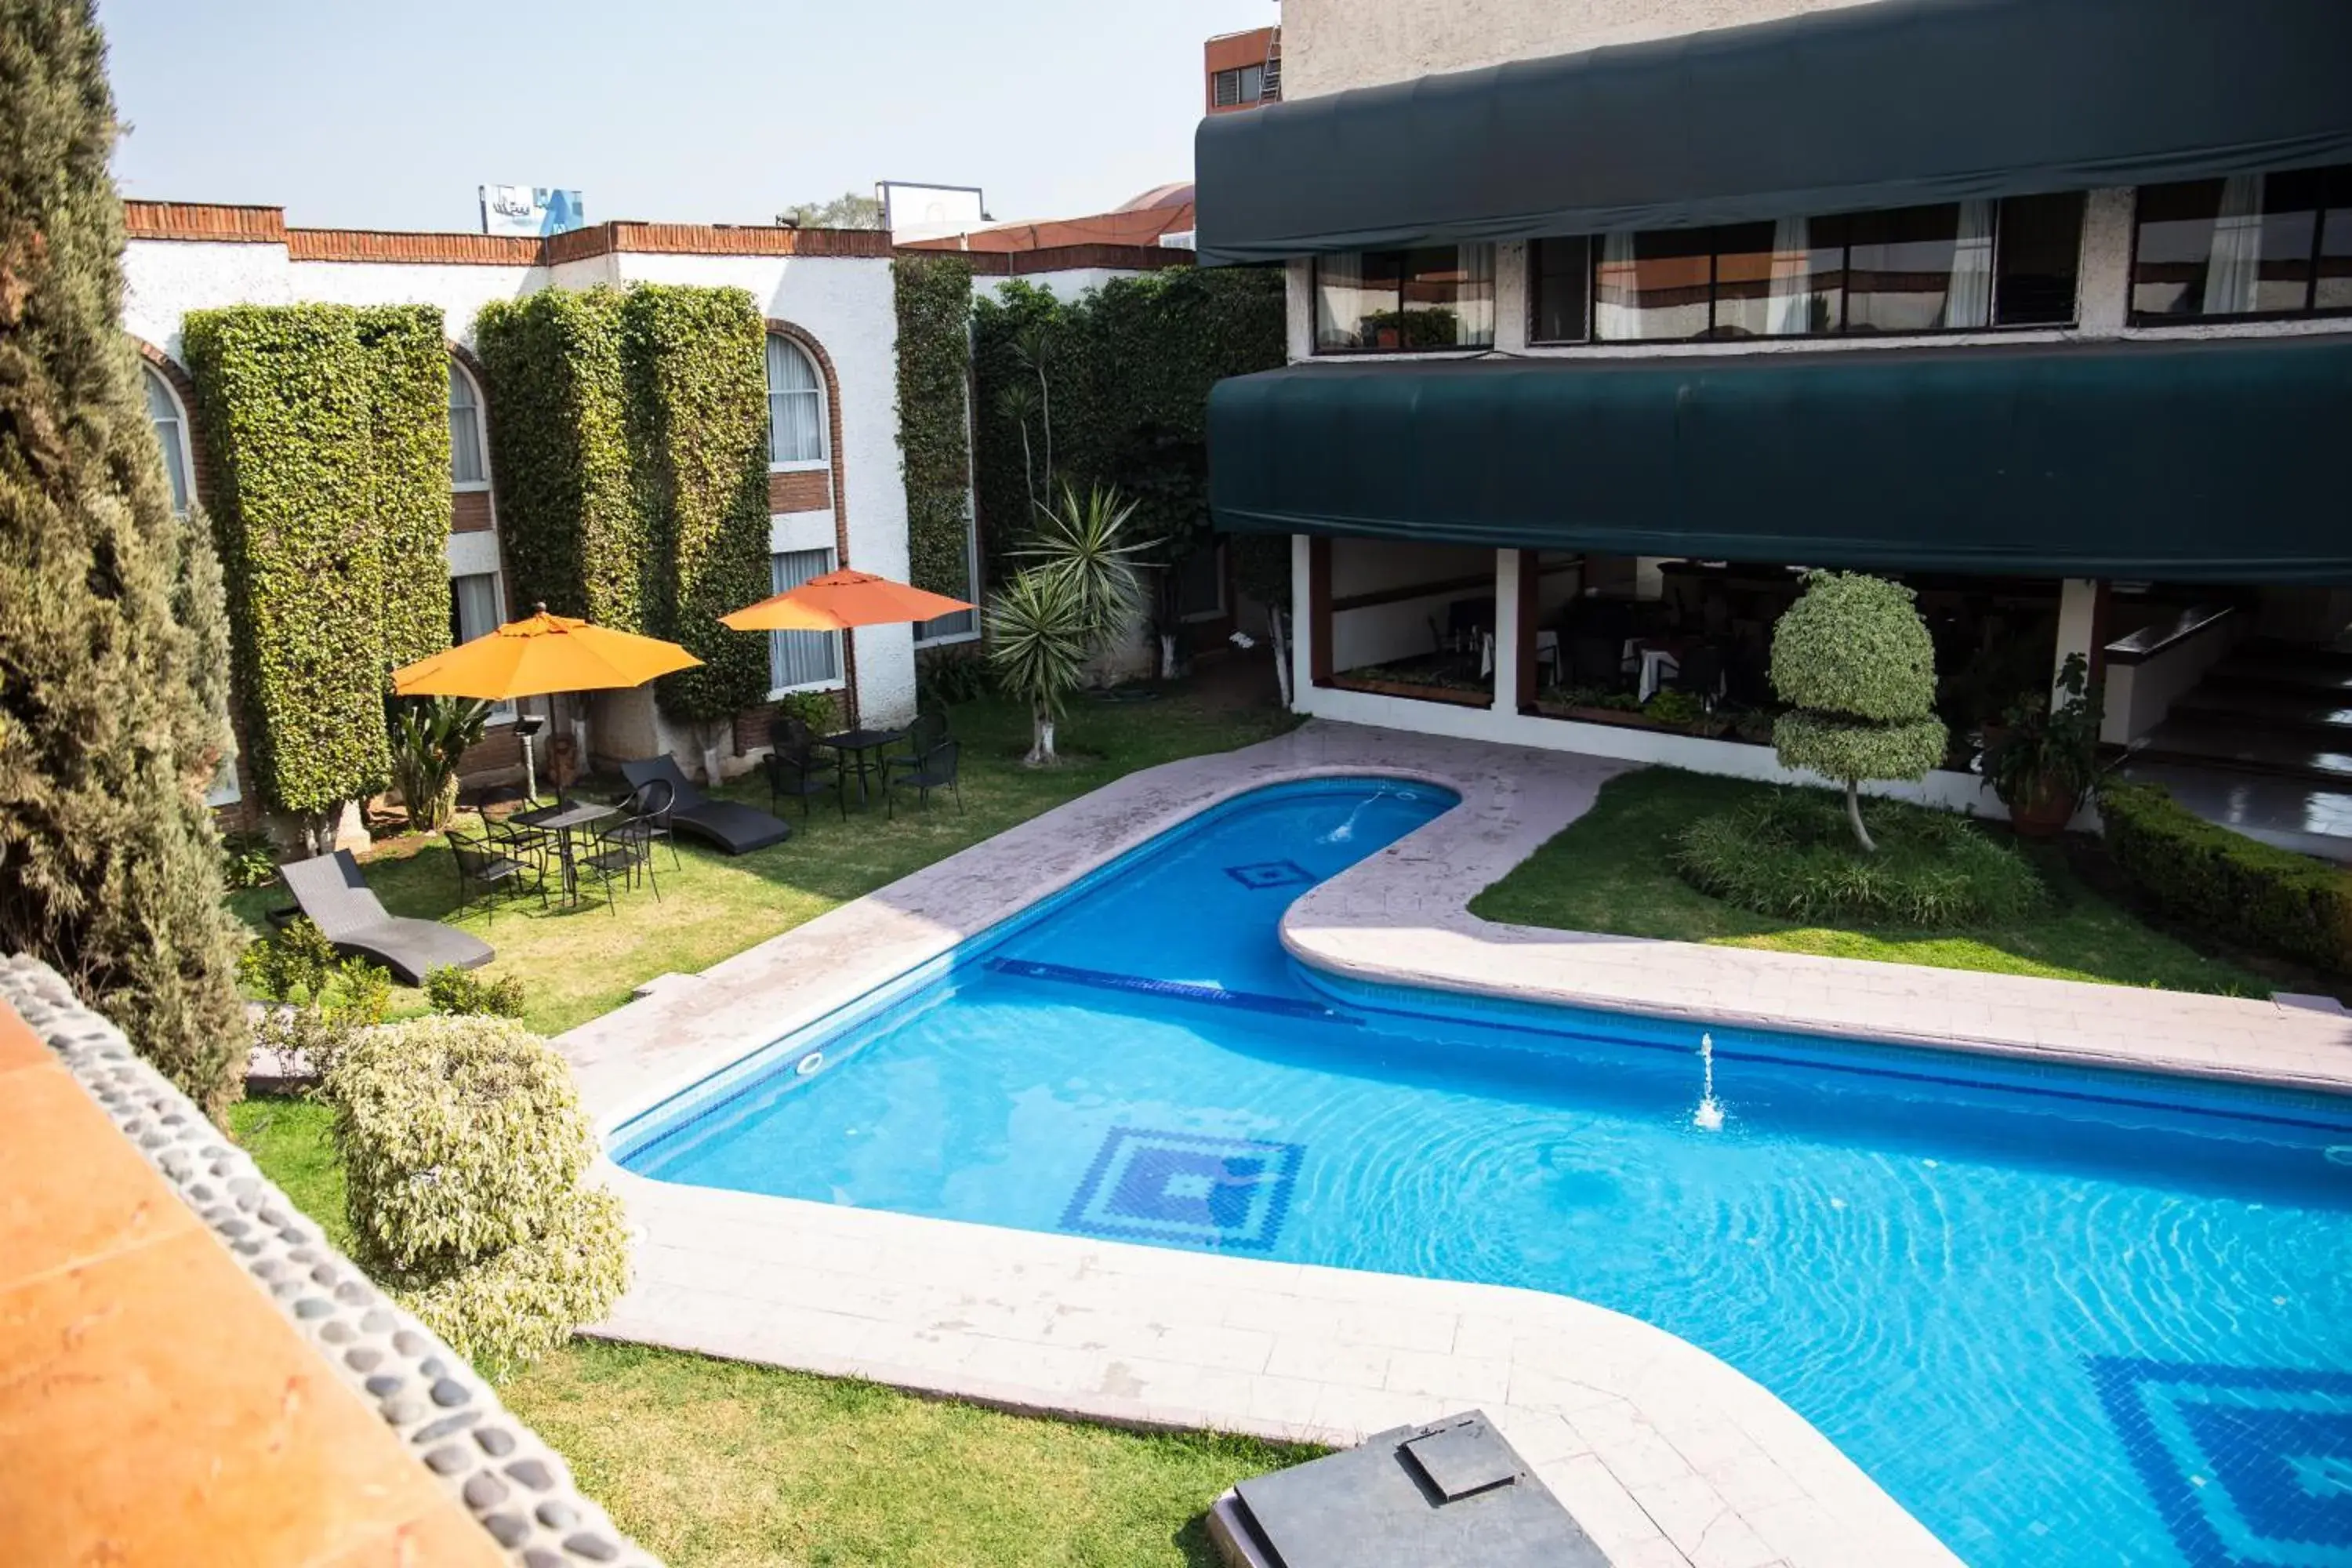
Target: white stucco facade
<point x="842" y="304"/>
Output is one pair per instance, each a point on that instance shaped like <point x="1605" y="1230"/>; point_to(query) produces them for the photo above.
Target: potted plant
<point x="2043" y="760"/>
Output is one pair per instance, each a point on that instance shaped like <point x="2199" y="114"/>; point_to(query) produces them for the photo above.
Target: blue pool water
<point x="2064" y="1317"/>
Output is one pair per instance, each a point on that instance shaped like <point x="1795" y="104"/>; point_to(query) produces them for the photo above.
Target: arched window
<point x="467" y="469"/>
<point x="170" y="433"/>
<point x="795" y="406"/>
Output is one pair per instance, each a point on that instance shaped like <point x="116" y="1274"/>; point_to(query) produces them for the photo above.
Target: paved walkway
<point x="1666" y="1455"/>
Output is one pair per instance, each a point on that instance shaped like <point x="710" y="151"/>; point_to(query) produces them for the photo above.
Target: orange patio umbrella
<point x="839" y="600"/>
<point x="538" y="656"/>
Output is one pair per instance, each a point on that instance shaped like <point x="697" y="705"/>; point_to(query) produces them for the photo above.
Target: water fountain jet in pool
<point x="1708" y="1117"/>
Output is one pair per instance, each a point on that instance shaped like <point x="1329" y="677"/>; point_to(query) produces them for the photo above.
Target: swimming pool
<point x="2061" y="1316"/>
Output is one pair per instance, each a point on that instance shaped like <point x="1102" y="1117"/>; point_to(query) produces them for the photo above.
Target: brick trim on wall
<point x="209" y="221"/>
<point x="379" y="245"/>
<point x="799" y="489"/>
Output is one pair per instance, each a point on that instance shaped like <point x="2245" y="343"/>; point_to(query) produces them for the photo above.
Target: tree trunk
<point x="1853" y="814"/>
<point x="1041" y="739"/>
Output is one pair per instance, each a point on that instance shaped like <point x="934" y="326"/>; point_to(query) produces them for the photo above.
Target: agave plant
<point x="1039" y="638"/>
<point x="428" y="737"/>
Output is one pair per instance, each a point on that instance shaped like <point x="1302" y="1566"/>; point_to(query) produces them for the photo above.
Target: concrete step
<point x="2291" y="708"/>
<point x="2305" y="817"/>
<point x="2202" y="738"/>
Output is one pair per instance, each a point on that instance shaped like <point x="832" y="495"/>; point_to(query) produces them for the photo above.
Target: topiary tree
<point x="112" y="721"/>
<point x="1853" y="657"/>
<point x="464" y="1145"/>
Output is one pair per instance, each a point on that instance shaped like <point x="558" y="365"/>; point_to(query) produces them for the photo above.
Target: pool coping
<point x="1666" y="1455"/>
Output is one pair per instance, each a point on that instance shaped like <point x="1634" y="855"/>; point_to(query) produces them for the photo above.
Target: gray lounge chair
<point x="725" y="825"/>
<point x="330" y="890"/>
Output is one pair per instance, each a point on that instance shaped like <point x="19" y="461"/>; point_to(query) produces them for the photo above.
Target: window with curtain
<point x="467" y="469"/>
<point x="795" y="406"/>
<point x="800" y="658"/>
<point x="1435" y="296"/>
<point x="171" y="434"/>
<point x="476" y="606"/>
<point x="1948" y="268"/>
<point x="2251" y="244"/>
<point x="1559" y="274"/>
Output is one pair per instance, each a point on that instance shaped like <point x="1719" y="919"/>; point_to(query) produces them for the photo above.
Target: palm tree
<point x="1039" y="639"/>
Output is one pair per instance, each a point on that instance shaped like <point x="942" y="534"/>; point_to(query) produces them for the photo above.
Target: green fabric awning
<point x="2220" y="462"/>
<point x="1889" y="104"/>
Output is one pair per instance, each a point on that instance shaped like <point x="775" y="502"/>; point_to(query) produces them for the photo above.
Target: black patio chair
<point x="795" y="772"/>
<point x="610" y="857"/>
<point x="928" y="729"/>
<point x="649" y="809"/>
<point x="1700" y="672"/>
<point x="935" y="769"/>
<point x="485" y="866"/>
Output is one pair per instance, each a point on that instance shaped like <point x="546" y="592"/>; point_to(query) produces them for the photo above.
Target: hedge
<point x="933" y="295"/>
<point x="1129" y="368"/>
<point x="568" y="515"/>
<point x="112" y="646"/>
<point x="2226" y="883"/>
<point x="696" y="363"/>
<point x="328" y="434"/>
<point x="465" y="1146"/>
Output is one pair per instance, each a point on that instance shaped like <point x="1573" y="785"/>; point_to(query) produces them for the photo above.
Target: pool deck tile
<point x="1668" y="1457"/>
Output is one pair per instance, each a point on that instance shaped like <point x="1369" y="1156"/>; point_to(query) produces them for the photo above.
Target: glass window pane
<point x="1560" y="277"/>
<point x="795" y="406"/>
<point x="2333" y="291"/>
<point x="1253" y="83"/>
<point x="1744" y="255"/>
<point x="477" y="606"/>
<point x="800" y="658"/>
<point x="163" y="413"/>
<point x="1652" y="286"/>
<point x="2175" y="245"/>
<point x="1227" y="85"/>
<point x="1355" y="293"/>
<point x="2039" y="248"/>
<point x="465" y="431"/>
<point x="1900" y="269"/>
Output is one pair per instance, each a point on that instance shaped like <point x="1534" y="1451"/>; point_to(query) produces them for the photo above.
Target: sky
<point x="353" y="116"/>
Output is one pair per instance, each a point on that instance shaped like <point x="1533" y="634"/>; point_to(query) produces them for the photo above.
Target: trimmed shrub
<point x="462" y="991"/>
<point x="568" y="513"/>
<point x="1853" y="659"/>
<point x="329" y="431"/>
<point x="322" y="999"/>
<point x="696" y="365"/>
<point x="2226" y="883"/>
<point x="1791" y="855"/>
<point x="464" y="1146"/>
<point x="933" y="294"/>
<point x="111" y="715"/>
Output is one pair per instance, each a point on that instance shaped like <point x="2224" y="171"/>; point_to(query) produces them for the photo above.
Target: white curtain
<point x="1790" y="302"/>
<point x="1475" y="304"/>
<point x="2236" y="261"/>
<point x="800" y="658"/>
<point x="795" y="406"/>
<point x="465" y="431"/>
<point x="163" y="412"/>
<point x="1339" y="304"/>
<point x="481" y="608"/>
<point x="1615" y="316"/>
<point x="1968" y="302"/>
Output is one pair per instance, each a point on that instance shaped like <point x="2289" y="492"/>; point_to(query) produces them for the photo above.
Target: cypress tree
<point x="111" y="650"/>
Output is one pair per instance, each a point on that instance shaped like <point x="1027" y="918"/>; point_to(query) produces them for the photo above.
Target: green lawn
<point x="576" y="964"/>
<point x="711" y="1462"/>
<point x="1610" y="870"/>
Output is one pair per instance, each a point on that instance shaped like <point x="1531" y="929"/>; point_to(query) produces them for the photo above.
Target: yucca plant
<point x="1084" y="539"/>
<point x="428" y="739"/>
<point x="1039" y="639"/>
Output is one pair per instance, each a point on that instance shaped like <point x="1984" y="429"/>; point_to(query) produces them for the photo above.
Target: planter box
<point x="1452" y="694"/>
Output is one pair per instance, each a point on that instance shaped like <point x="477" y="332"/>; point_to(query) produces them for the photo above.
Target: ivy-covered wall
<point x="933" y="295"/>
<point x="696" y="365"/>
<point x="1126" y="369"/>
<point x="568" y="513"/>
<point x="327" y="427"/>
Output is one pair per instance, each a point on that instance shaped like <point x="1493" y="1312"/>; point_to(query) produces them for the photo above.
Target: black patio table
<point x="562" y="822"/>
<point x="860" y="752"/>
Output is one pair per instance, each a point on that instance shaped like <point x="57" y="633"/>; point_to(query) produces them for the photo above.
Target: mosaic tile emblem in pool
<point x="1187" y="1188"/>
<point x="1260" y="875"/>
<point x="2251" y="1468"/>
